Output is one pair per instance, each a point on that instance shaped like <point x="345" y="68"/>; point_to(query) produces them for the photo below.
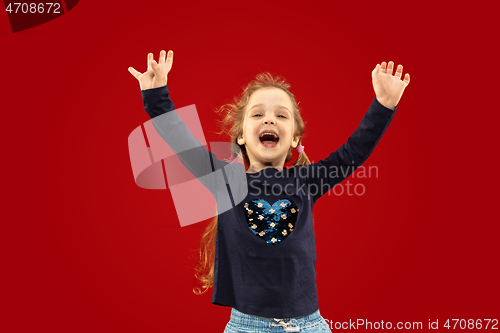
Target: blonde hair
<point x="232" y="122"/>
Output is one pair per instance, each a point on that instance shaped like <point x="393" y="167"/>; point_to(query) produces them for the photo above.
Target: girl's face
<point x="268" y="128"/>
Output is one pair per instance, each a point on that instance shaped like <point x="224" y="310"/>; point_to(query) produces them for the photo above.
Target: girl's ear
<point x="241" y="140"/>
<point x="295" y="142"/>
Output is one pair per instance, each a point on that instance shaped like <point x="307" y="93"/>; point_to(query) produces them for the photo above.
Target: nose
<point x="269" y="121"/>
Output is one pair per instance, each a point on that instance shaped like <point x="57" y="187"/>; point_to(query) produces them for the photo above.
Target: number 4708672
<point x="472" y="324"/>
<point x="34" y="8"/>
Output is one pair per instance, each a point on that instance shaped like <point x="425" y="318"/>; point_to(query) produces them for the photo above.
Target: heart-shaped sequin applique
<point x="271" y="223"/>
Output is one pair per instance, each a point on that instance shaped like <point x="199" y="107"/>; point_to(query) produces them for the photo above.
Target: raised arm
<point x="202" y="163"/>
<point x="328" y="172"/>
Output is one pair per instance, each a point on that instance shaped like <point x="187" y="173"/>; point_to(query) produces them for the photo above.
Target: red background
<point x="85" y="249"/>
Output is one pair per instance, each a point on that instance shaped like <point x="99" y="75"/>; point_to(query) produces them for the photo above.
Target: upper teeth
<point x="268" y="134"/>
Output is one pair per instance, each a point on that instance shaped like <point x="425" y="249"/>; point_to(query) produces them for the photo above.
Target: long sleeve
<point x="328" y="172"/>
<point x="157" y="101"/>
<point x="213" y="173"/>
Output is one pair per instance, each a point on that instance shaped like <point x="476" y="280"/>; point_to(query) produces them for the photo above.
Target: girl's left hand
<point x="389" y="88"/>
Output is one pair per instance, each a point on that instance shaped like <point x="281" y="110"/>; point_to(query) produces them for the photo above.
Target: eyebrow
<point x="279" y="107"/>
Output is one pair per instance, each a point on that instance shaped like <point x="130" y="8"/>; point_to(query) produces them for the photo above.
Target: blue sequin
<point x="271" y="223"/>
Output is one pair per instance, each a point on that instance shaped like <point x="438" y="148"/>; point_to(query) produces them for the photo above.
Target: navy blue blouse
<point x="265" y="252"/>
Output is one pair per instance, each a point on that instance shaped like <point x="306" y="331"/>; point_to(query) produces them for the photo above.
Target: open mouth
<point x="269" y="139"/>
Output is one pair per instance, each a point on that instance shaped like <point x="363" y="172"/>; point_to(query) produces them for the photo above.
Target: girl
<point x="265" y="253"/>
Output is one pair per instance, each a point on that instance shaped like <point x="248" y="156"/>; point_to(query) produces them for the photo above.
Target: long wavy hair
<point x="233" y="115"/>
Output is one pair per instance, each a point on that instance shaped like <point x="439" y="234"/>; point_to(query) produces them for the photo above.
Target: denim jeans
<point x="244" y="323"/>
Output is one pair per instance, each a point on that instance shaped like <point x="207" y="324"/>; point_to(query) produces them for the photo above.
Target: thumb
<point x="375" y="73"/>
<point x="135" y="73"/>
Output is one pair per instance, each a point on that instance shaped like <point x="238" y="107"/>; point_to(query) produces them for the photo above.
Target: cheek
<point x="245" y="129"/>
<point x="287" y="131"/>
<point x="249" y="131"/>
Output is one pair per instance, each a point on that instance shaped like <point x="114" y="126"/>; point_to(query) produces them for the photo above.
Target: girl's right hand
<point x="156" y="75"/>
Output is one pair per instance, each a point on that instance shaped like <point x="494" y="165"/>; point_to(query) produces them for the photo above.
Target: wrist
<point x="159" y="83"/>
<point x="154" y="90"/>
<point x="386" y="103"/>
